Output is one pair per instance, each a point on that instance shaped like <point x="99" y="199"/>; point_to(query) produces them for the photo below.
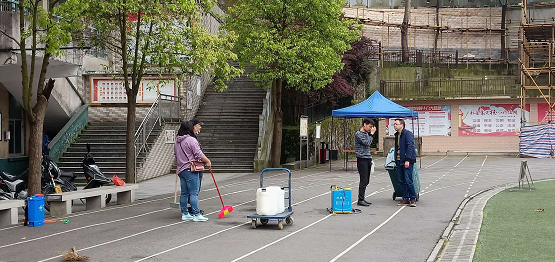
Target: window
<point x="16" y="137"/>
<point x="17" y="132"/>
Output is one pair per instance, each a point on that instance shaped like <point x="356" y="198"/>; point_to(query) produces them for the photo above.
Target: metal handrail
<point x="154" y="116"/>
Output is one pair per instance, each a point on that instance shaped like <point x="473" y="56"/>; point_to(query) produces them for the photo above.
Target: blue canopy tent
<point x="376" y="106"/>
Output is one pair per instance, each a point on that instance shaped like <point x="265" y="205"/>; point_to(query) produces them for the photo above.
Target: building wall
<point x="444" y="144"/>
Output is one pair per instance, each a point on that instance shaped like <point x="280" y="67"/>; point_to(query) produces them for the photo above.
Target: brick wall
<point x="474" y="43"/>
<point x="442" y="144"/>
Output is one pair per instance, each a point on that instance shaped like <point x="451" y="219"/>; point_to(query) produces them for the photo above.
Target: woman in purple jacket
<point x="187" y="149"/>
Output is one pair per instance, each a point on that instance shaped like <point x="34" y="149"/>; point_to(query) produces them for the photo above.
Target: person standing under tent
<point x="405" y="157"/>
<point x="363" y="140"/>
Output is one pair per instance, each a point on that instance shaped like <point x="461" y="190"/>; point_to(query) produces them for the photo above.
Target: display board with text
<point x="112" y="90"/>
<point x="433" y="120"/>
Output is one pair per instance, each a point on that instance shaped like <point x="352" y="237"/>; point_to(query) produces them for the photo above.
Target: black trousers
<point x="363" y="166"/>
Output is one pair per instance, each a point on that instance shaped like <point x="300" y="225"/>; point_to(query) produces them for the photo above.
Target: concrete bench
<point x="8" y="211"/>
<point x="61" y="204"/>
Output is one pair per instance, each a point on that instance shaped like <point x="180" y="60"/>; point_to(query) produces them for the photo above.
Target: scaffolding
<point x="429" y="23"/>
<point x="536" y="64"/>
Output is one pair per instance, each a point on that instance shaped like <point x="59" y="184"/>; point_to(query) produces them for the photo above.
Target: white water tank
<point x="266" y="202"/>
<point x="280" y="197"/>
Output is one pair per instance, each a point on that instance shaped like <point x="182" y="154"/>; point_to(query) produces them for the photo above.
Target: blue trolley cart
<point x="285" y="215"/>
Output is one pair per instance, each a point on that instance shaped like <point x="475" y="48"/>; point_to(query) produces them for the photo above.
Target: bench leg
<point x="126" y="197"/>
<point x="60" y="208"/>
<point x="8" y="216"/>
<point x="96" y="202"/>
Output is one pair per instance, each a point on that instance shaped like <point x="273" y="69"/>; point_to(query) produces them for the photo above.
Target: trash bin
<point x="35" y="210"/>
<point x="323" y="153"/>
<point x="391" y="168"/>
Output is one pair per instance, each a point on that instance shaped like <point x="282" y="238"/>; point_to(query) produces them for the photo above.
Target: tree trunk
<point x="503" y="26"/>
<point x="404" y="32"/>
<point x="130" y="138"/>
<point x="436" y="38"/>
<point x="35" y="145"/>
<point x="278" y="123"/>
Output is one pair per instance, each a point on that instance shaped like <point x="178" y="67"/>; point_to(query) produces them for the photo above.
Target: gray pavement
<point x="149" y="230"/>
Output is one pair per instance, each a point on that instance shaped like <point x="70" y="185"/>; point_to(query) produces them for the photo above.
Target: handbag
<point x="196" y="166"/>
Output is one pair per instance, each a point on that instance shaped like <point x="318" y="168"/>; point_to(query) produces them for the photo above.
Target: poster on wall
<point x="434" y="120"/>
<point x="543" y="116"/>
<point x="112" y="90"/>
<point x="490" y="120"/>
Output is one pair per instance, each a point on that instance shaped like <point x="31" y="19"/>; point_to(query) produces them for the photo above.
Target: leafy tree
<point x="355" y="72"/>
<point x="161" y="37"/>
<point x="43" y="30"/>
<point x="297" y="41"/>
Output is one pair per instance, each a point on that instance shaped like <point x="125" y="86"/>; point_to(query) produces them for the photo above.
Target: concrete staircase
<point x="107" y="140"/>
<point x="229" y="132"/>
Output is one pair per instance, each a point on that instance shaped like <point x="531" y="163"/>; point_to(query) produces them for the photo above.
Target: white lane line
<point x="383" y="223"/>
<point x="436" y="162"/>
<point x="296" y="231"/>
<point x="79" y="228"/>
<point x="285" y="237"/>
<point x="445" y="174"/>
<point x="9" y="228"/>
<point x="194" y="241"/>
<point x="475" y="177"/>
<point x="367" y="235"/>
<point x="176" y="223"/>
<point x="141" y="233"/>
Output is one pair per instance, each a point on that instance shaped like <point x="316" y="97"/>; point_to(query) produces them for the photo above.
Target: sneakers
<point x="186" y="217"/>
<point x="412" y="203"/>
<point x="404" y="202"/>
<point x="199" y="218"/>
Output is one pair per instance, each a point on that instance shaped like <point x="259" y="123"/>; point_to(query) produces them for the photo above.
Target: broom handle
<point x="217" y="187"/>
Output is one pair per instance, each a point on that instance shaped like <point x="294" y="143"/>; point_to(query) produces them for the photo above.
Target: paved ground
<point x="150" y="230"/>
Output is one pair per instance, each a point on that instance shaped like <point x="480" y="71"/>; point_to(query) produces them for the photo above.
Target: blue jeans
<point x="190" y="187"/>
<point x="405" y="180"/>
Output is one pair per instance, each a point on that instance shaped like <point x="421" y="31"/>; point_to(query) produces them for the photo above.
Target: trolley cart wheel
<point x="264" y="221"/>
<point x="253" y="223"/>
<point x="417" y="197"/>
<point x="394" y="196"/>
<point x="280" y="224"/>
<point x="289" y="221"/>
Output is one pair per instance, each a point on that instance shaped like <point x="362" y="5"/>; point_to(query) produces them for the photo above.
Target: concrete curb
<point x="438" y="249"/>
<point x="449" y="229"/>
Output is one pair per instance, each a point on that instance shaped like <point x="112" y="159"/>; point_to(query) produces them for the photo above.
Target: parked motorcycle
<point x="53" y="180"/>
<point x="93" y="174"/>
<point x="4" y="195"/>
<point x="4" y="191"/>
<point x="62" y="178"/>
<point x="14" y="187"/>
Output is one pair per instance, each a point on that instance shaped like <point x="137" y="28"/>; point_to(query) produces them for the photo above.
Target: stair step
<point x="98" y="159"/>
<point x="107" y="170"/>
<point x="95" y="154"/>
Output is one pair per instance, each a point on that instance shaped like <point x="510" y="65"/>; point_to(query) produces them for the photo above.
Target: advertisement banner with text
<point x="490" y="120"/>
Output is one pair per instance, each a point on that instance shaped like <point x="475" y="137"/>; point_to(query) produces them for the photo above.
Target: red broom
<point x="225" y="209"/>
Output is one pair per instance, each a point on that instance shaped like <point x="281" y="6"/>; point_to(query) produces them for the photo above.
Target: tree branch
<point x="9" y="36"/>
<point x="145" y="51"/>
<point x="134" y="81"/>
